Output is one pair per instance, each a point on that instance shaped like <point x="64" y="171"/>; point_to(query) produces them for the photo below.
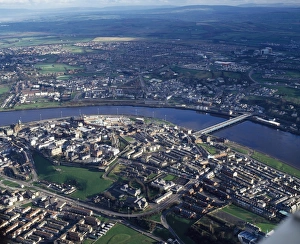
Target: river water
<point x="282" y="145"/>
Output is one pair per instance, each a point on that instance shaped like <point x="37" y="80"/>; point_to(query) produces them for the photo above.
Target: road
<point x="96" y="210"/>
<point x="158" y="207"/>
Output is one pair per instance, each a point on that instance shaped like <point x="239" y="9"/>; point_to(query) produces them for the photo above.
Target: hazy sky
<point x="105" y="3"/>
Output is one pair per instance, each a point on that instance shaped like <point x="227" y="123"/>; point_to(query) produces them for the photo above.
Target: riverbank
<point x="139" y="103"/>
<point x="282" y="145"/>
<point x="266" y="159"/>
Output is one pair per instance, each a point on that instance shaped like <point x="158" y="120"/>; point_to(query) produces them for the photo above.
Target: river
<point x="282" y="145"/>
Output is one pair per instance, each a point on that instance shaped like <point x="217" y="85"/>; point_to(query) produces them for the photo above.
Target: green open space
<point x="170" y="177"/>
<point x="74" y="49"/>
<point x="42" y="104"/>
<point x="46" y="68"/>
<point x="258" y="78"/>
<point x="155" y="217"/>
<point x="240" y="149"/>
<point x="181" y="225"/>
<point x="64" y="77"/>
<point x="10" y="183"/>
<point x="25" y="39"/>
<point x="102" y="219"/>
<point x="250" y="217"/>
<point x="129" y="139"/>
<point x="30" y="204"/>
<point x="124" y="235"/>
<point x="4" y="89"/>
<point x="212" y="150"/>
<point x="200" y="74"/>
<point x="288" y="93"/>
<point x="88" y="182"/>
<point x="276" y="164"/>
<point x="115" y="39"/>
<point x="88" y="241"/>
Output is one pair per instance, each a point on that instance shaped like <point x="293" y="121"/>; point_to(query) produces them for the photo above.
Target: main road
<point x="104" y="211"/>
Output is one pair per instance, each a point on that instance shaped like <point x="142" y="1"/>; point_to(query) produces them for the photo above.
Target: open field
<point x="124" y="235"/>
<point x="63" y="77"/>
<point x="24" y="39"/>
<point x="87" y="182"/>
<point x="115" y="39"/>
<point x="4" y="89"/>
<point x="250" y="217"/>
<point x="210" y="149"/>
<point x="44" y="104"/>
<point x="54" y="68"/>
<point x="10" y="183"/>
<point x="170" y="177"/>
<point x="289" y="94"/>
<point x="180" y="225"/>
<point x="156" y="217"/>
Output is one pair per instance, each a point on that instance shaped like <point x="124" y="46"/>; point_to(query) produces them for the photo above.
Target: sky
<point x="41" y="4"/>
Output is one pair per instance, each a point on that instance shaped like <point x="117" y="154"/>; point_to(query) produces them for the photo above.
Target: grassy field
<point x="129" y="139"/>
<point x="46" y="68"/>
<point x="115" y="39"/>
<point x="156" y="217"/>
<point x="250" y="217"/>
<point x="276" y="164"/>
<point x="25" y="39"/>
<point x="114" y="173"/>
<point x="10" y="183"/>
<point x="4" y="89"/>
<point x="240" y="149"/>
<point x="170" y="177"/>
<point x="288" y="93"/>
<point x="88" y="182"/>
<point x="180" y="226"/>
<point x="44" y="104"/>
<point x="124" y="235"/>
<point x="212" y="150"/>
<point x="64" y="77"/>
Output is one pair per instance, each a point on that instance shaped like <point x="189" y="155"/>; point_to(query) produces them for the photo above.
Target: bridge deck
<point x="222" y="124"/>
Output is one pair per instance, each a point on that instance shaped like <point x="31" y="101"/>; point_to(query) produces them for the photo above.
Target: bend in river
<point x="279" y="144"/>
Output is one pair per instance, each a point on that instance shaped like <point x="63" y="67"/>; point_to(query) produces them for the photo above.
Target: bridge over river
<point x="222" y="124"/>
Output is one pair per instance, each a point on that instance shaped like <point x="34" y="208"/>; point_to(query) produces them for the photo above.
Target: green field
<point x="288" y="93"/>
<point x="240" y="150"/>
<point x="115" y="39"/>
<point x="88" y="182"/>
<point x="43" y="104"/>
<point x="276" y="164"/>
<point x="129" y="139"/>
<point x="10" y="183"/>
<point x="250" y="217"/>
<point x="156" y="217"/>
<point x="124" y="235"/>
<point x="212" y="150"/>
<point x="181" y="225"/>
<point x="63" y="77"/>
<point x="4" y="89"/>
<point x="170" y="177"/>
<point x="26" y="39"/>
<point x="48" y="68"/>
